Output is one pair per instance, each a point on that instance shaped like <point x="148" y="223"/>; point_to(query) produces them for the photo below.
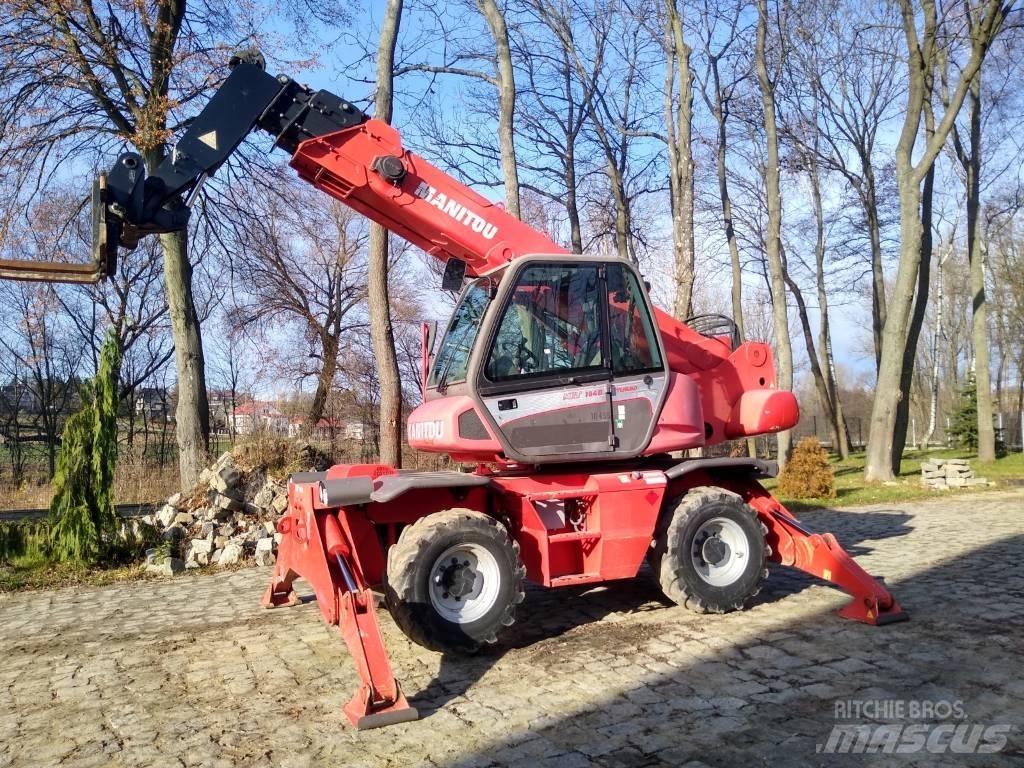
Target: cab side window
<point x="634" y="345"/>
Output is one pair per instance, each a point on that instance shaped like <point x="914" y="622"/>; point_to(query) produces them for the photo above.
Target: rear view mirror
<point x="454" y="274"/>
<point x="428" y="332"/>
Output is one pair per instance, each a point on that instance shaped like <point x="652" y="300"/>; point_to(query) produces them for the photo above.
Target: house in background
<point x="327" y="429"/>
<point x="221" y="402"/>
<point x="153" y="403"/>
<point x="18" y="395"/>
<point x="258" y="416"/>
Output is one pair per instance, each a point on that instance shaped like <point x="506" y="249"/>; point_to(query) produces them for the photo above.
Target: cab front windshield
<point x="452" y="358"/>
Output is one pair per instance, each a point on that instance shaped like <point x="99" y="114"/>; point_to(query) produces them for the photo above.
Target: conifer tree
<point x="963" y="428"/>
<point x="82" y="515"/>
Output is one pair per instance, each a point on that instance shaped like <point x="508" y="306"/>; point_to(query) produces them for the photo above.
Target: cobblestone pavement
<point x="193" y="672"/>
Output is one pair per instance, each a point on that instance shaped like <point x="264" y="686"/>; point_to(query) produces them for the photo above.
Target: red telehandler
<point x="557" y="379"/>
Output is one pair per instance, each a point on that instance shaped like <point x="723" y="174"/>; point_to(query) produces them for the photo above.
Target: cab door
<point x="545" y="379"/>
<point x="639" y="379"/>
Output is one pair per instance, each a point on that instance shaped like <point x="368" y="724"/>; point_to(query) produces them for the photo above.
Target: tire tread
<point x="666" y="566"/>
<point x="412" y="545"/>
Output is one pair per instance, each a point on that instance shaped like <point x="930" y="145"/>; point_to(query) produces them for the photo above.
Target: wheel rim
<point x="464" y="583"/>
<point x="719" y="551"/>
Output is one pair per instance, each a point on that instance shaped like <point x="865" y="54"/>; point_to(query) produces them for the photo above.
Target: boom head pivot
<point x="136" y="201"/>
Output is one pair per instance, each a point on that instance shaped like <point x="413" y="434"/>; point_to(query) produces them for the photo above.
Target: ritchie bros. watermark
<point x="910" y="726"/>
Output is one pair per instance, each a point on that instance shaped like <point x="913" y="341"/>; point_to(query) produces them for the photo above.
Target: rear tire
<point x="454" y="580"/>
<point x="709" y="554"/>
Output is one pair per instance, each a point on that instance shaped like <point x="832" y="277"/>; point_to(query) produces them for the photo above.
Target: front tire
<point x="710" y="552"/>
<point x="453" y="580"/>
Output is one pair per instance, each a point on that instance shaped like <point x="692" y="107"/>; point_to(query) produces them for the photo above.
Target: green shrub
<point x="808" y="473"/>
<point x="23" y="540"/>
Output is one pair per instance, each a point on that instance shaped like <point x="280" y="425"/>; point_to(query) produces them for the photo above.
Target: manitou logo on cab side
<point x="456" y="210"/>
<point x="426" y="430"/>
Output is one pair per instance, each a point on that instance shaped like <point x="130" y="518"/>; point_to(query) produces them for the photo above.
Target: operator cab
<point x="560" y="357"/>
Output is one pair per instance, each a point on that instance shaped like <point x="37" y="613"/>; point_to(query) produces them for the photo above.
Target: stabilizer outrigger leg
<point x="314" y="548"/>
<point x="820" y="555"/>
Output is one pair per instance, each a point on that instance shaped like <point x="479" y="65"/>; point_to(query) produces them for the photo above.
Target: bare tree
<point x="38" y="338"/>
<point x="464" y="57"/>
<point x="75" y="74"/>
<point x="718" y="94"/>
<point x="801" y="129"/>
<point x="678" y="127"/>
<point x="302" y="262"/>
<point x="923" y="51"/>
<point x="773" y="236"/>
<point x="945" y="251"/>
<point x="976" y="162"/>
<point x="82" y="79"/>
<point x="620" y="112"/>
<point x="848" y="66"/>
<point x="553" y="109"/>
<point x="506" y="85"/>
<point x="381" y="331"/>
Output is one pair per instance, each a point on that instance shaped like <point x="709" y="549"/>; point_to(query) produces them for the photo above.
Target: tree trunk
<point x="976" y="253"/>
<point x="192" y="413"/>
<point x="922" y="52"/>
<point x="902" y="421"/>
<point x="773" y="239"/>
<point x="812" y="356"/>
<point x="727" y="219"/>
<point x="834" y="411"/>
<point x="381" y="333"/>
<point x="678" y="125"/>
<point x="721" y="113"/>
<point x="878" y="461"/>
<point x="571" y="201"/>
<point x="506" y="99"/>
<point x="878" y="301"/>
<point x="933" y="405"/>
<point x="623" y="225"/>
<point x="323" y="384"/>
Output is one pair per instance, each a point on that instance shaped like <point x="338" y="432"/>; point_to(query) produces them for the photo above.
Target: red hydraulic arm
<point x="820" y="555"/>
<point x="366" y="167"/>
<point x="315" y="548"/>
<point x="361" y="161"/>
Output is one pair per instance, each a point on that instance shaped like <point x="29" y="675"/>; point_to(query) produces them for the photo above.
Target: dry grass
<point x="136" y="481"/>
<point x="27" y="495"/>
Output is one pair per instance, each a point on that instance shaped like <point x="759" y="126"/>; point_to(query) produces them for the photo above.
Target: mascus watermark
<point x="942" y="727"/>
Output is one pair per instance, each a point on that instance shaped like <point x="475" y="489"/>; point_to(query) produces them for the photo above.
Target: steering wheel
<point x="525" y="358"/>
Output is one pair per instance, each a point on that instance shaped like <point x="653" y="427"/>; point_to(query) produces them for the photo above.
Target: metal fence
<point x="817" y="426"/>
<point x="1010" y="429"/>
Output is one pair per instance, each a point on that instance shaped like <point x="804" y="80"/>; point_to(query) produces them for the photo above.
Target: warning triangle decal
<point x="209" y="139"/>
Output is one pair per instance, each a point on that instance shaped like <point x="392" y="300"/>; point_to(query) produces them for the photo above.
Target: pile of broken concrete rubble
<point x="228" y="518"/>
<point x="943" y="474"/>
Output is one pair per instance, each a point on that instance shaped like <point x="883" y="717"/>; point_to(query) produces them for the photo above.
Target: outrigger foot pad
<point x="868" y="611"/>
<point x="272" y="599"/>
<point x="363" y="714"/>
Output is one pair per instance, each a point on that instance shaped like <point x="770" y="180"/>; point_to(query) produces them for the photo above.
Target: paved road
<point x="192" y="672"/>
